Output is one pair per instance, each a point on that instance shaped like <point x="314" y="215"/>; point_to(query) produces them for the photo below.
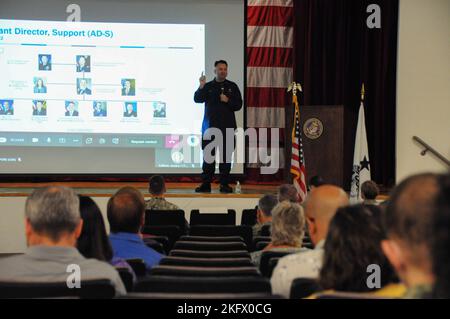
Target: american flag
<point x="270" y="59"/>
<point x="297" y="160"/>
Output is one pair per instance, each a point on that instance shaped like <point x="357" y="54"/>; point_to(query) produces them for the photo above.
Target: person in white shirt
<point x="320" y="207"/>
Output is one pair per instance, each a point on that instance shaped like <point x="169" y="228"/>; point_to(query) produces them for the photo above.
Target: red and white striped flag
<point x="270" y="41"/>
<point x="297" y="159"/>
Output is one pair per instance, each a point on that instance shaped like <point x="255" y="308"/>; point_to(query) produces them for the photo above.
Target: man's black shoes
<point x="203" y="188"/>
<point x="224" y="188"/>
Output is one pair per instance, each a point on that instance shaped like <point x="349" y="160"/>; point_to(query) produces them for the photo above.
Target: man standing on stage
<point x="222" y="98"/>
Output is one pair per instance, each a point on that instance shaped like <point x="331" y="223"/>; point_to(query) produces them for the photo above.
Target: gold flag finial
<point x="294" y="87"/>
<point x="362" y="92"/>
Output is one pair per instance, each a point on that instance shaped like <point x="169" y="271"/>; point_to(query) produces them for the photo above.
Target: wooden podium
<point x="322" y="128"/>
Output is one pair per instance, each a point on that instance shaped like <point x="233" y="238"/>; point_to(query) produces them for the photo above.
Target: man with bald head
<point x="408" y="222"/>
<point x="321" y="205"/>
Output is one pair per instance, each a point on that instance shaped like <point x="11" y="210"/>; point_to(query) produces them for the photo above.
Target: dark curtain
<point x="335" y="52"/>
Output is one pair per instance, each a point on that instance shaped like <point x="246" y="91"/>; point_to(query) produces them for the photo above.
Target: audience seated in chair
<point x="369" y="192"/>
<point x="93" y="241"/>
<point x="157" y="188"/>
<point x="408" y="221"/>
<point x="264" y="213"/>
<point x="288" y="229"/>
<point x="315" y="181"/>
<point x="52" y="226"/>
<point x="320" y="207"/>
<point x="126" y="217"/>
<point x="441" y="239"/>
<point x="353" y="243"/>
<point x="288" y="192"/>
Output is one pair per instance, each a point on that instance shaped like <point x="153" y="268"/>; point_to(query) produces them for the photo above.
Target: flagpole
<point x="362" y="92"/>
<point x="294" y="87"/>
<point x="297" y="168"/>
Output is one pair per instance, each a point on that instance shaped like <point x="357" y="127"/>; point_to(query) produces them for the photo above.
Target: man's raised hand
<point x="202" y="80"/>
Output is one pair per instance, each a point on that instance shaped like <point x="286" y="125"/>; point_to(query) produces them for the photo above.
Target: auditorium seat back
<point x="188" y="285"/>
<point x="248" y="217"/>
<point x="272" y="264"/>
<point x="196" y="271"/>
<point x="198" y="218"/>
<point x="266" y="230"/>
<point x="164" y="240"/>
<point x="171" y="232"/>
<point x="209" y="254"/>
<point x="155" y="245"/>
<point x="166" y="218"/>
<point x="261" y="245"/>
<point x="265" y="258"/>
<point x="211" y="238"/>
<point x="210" y="246"/>
<point x="92" y="289"/>
<point x="138" y="266"/>
<point x="260" y="239"/>
<point x="304" y="287"/>
<point x="206" y="262"/>
<point x="245" y="232"/>
<point x="127" y="278"/>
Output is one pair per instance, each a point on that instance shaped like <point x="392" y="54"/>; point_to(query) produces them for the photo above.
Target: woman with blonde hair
<point x="287" y="230"/>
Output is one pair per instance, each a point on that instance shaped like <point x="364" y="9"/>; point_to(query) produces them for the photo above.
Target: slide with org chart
<point x="99" y="78"/>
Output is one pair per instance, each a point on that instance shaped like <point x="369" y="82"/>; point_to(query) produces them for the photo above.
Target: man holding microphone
<point x="222" y="98"/>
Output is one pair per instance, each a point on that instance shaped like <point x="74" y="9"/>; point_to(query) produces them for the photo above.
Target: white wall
<point x="423" y="84"/>
<point x="12" y="229"/>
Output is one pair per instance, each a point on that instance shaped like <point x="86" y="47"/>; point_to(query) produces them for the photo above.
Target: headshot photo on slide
<point x="159" y="109"/>
<point x="100" y="109"/>
<point x="83" y="63"/>
<point x="128" y="87"/>
<point x="39" y="85"/>
<point x="84" y="86"/>
<point x="6" y="107"/>
<point x="39" y="108"/>
<point x="44" y="62"/>
<point x="71" y="108"/>
<point x="130" y="109"/>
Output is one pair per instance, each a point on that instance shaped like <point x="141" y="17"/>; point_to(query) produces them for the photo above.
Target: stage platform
<point x="106" y="189"/>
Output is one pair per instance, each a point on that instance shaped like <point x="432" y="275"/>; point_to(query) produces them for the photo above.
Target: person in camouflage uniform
<point x="159" y="203"/>
<point x="157" y="188"/>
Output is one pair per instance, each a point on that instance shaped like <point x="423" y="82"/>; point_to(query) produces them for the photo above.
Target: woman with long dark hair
<point x="93" y="241"/>
<point x="353" y="243"/>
